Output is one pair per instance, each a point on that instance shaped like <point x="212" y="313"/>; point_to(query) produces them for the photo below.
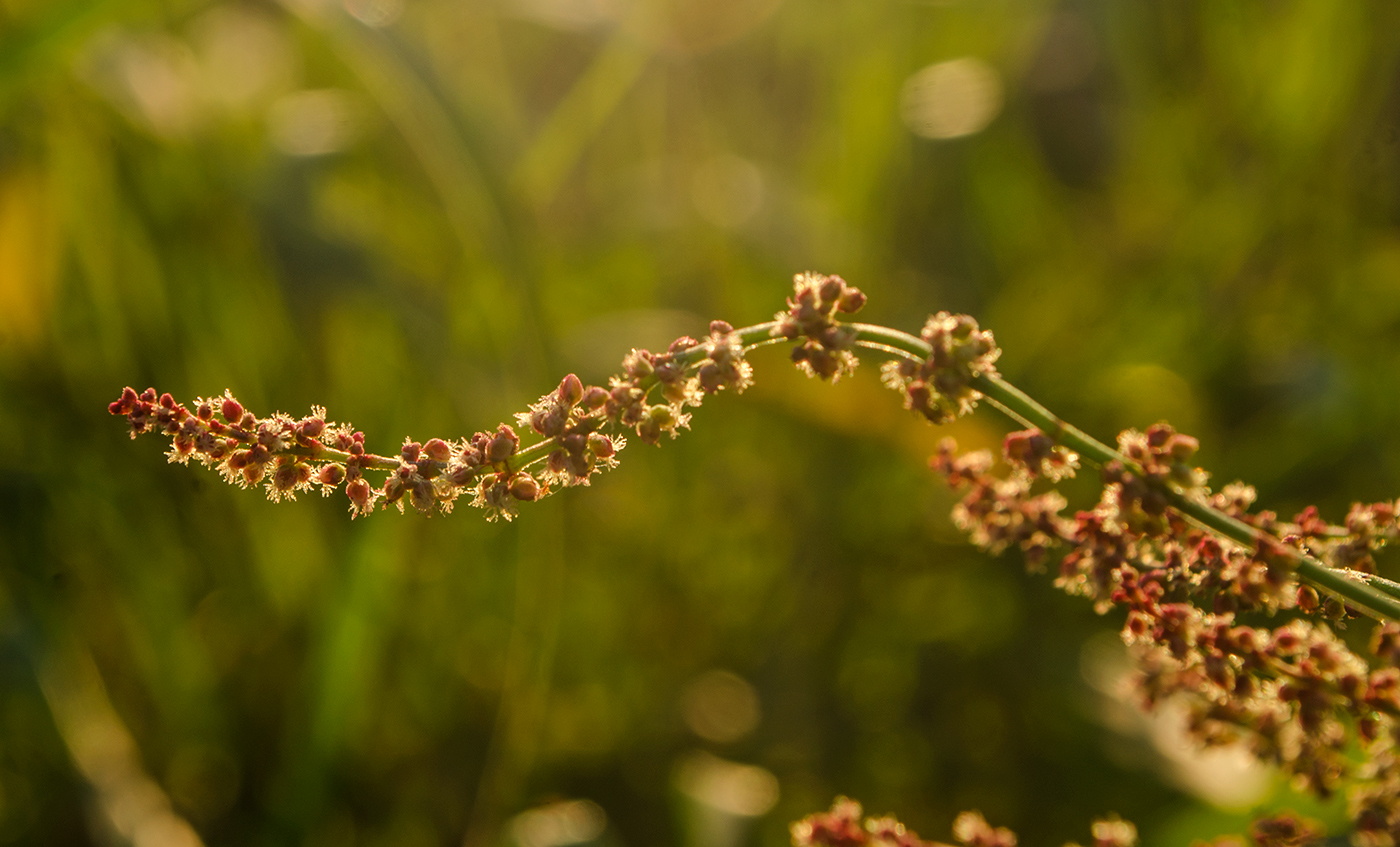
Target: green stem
<point x="1347" y="585"/>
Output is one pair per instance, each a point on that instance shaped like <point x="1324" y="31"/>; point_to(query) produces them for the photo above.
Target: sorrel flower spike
<point x="846" y="825"/>
<point x="574" y="432"/>
<point x="1294" y="692"/>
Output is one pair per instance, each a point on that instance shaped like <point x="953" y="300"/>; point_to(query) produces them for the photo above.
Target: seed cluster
<point x="845" y="825"/>
<point x="825" y="351"/>
<point x="1292" y="691"/>
<point x="939" y="387"/>
<point x="492" y="468"/>
<point x="1193" y="602"/>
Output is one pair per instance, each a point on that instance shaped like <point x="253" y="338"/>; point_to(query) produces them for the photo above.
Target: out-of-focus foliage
<point x="419" y="213"/>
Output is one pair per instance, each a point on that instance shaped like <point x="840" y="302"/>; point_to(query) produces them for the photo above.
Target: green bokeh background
<point x="1181" y="210"/>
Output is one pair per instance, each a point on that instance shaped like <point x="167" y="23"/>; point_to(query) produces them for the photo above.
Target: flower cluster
<point x="939" y="387"/>
<point x="811" y="315"/>
<point x="492" y="468"/>
<point x="845" y="825"/>
<point x="1294" y="692"/>
<point x="1368" y="528"/>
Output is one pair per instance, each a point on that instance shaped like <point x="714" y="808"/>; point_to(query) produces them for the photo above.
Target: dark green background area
<point x="1181" y="210"/>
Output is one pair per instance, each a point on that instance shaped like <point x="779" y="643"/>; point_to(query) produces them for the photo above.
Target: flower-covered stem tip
<point x="825" y="351"/>
<point x="1293" y="692"/>
<point x="941" y="373"/>
<point x="846" y="825"/>
<point x="1181" y="493"/>
<point x="1366" y="592"/>
<point x="567" y="429"/>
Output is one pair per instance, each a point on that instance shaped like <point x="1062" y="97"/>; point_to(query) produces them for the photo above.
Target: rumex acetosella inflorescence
<point x="846" y="825"/>
<point x="1285" y="685"/>
<point x="1223" y="608"/>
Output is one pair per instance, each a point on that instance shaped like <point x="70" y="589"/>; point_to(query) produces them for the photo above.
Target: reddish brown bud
<point x="148" y="396"/>
<point x="331" y="475"/>
<point x="232" y="410"/>
<point x="831" y="289"/>
<point x="601" y="445"/>
<point x="289" y="476"/>
<point x="852" y="301"/>
<point x="437" y="450"/>
<point x="205" y="411"/>
<point x="502" y="445"/>
<point x="523" y="487"/>
<point x="420" y="494"/>
<point x="571" y="390"/>
<point x="638" y="364"/>
<point x="312" y="427"/>
<point x="461" y="475"/>
<point x="410" y="451"/>
<point x="721" y="327"/>
<point x="594" y="397"/>
<point x="360" y="494"/>
<point x="1182" y="447"/>
<point x="558" y="461"/>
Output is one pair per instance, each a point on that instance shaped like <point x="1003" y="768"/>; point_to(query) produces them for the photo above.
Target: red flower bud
<point x="601" y="445"/>
<point x="852" y="301"/>
<point x="571" y="390"/>
<point x="232" y="410"/>
<point x="360" y="494"/>
<point x="594" y="397"/>
<point x="523" y="487"/>
<point x="437" y="450"/>
<point x="502" y="445"/>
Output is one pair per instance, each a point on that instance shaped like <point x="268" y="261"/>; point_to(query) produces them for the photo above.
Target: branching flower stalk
<point x="1180" y="560"/>
<point x="942" y="373"/>
<point x="846" y="825"/>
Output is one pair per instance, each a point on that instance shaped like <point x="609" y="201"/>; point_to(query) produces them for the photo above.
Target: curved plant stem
<point x="1351" y="586"/>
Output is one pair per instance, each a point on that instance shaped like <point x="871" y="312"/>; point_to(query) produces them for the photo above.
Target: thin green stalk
<point x="1346" y="585"/>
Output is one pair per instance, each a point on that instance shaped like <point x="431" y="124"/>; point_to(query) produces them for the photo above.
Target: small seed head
<point x="437" y="450"/>
<point x="601" y="445"/>
<point x="571" y="390"/>
<point x="524" y="487"/>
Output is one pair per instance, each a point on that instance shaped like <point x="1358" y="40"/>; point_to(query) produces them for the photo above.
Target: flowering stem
<point x="1347" y="585"/>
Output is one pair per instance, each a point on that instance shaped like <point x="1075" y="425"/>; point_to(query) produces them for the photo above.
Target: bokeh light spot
<point x="314" y="123"/>
<point x="951" y="99"/>
<point x="558" y="824"/>
<point x="720" y="706"/>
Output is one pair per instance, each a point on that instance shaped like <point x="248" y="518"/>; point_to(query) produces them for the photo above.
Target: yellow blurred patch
<point x="1140" y="395"/>
<point x="27" y="261"/>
